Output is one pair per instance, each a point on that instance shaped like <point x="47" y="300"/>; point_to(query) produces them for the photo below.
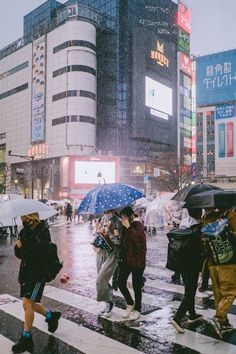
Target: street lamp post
<point x="28" y="158"/>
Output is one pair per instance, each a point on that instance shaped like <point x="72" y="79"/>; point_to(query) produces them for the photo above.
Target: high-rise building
<point x="92" y="81"/>
<point x="216" y="116"/>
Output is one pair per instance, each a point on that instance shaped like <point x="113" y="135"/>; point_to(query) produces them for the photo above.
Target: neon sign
<point x="158" y="55"/>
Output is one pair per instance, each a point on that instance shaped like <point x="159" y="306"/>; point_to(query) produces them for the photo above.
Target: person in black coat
<point x="190" y="267"/>
<point x="33" y="240"/>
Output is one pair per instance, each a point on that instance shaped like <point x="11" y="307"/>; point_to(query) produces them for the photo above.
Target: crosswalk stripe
<point x="195" y="341"/>
<point x="69" y="332"/>
<point x="5" y="345"/>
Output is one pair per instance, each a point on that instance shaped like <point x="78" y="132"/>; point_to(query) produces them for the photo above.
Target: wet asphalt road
<point x="152" y="334"/>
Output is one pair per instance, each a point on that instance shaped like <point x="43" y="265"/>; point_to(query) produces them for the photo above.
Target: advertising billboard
<point x="216" y="78"/>
<point x="38" y="91"/>
<point x="154" y="83"/>
<point x="95" y="172"/>
<point x="184" y="17"/>
<point x="158" y="96"/>
<point x="183" y="42"/>
<point x="79" y="174"/>
<point x="225" y="145"/>
<point x="225" y="111"/>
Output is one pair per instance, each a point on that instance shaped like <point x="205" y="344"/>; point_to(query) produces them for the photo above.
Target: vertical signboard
<point x="183" y="42"/>
<point x="186" y="64"/>
<point x="184" y="17"/>
<point x="38" y="90"/>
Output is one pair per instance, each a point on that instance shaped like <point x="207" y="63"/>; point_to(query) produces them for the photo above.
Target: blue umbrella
<point x="108" y="196"/>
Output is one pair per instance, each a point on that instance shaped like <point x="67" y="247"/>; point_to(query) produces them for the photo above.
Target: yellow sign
<point x="159" y="56"/>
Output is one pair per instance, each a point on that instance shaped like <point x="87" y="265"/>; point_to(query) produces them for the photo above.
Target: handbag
<point x="102" y="241"/>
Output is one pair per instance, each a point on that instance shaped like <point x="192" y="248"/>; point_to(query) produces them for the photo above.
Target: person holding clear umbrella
<point x="32" y="238"/>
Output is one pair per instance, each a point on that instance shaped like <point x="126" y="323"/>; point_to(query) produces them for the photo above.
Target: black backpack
<point x="51" y="263"/>
<point x="180" y="242"/>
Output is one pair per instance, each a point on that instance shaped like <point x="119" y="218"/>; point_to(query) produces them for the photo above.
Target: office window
<point x="13" y="91"/>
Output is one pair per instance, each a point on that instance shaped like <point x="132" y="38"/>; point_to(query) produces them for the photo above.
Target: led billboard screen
<point x="158" y="96"/>
<point x="95" y="172"/>
<point x="154" y="101"/>
<point x="216" y="78"/>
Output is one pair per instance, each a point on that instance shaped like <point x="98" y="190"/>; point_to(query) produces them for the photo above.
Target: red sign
<point x="185" y="64"/>
<point x="184" y="17"/>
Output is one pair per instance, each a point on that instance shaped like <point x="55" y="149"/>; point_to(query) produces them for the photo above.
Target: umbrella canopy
<point x="108" y="196"/>
<point x="13" y="208"/>
<point x="185" y="193"/>
<point x="212" y="199"/>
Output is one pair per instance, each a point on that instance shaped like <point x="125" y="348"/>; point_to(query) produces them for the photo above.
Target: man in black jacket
<point x="191" y="264"/>
<point x="33" y="240"/>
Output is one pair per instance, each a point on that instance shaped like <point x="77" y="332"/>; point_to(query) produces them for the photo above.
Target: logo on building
<point x="185" y="64"/>
<point x="159" y="56"/>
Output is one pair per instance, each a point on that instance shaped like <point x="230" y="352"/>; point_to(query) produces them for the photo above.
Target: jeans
<point x="190" y="279"/>
<point x="137" y="282"/>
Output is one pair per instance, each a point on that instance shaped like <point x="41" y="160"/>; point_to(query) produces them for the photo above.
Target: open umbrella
<point x="185" y="193"/>
<point x="108" y="196"/>
<point x="212" y="199"/>
<point x="14" y="208"/>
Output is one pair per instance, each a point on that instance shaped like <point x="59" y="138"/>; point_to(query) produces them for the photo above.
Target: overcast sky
<point x="213" y="23"/>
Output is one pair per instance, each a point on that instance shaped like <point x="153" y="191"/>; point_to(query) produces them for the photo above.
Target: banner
<point x="38" y="91"/>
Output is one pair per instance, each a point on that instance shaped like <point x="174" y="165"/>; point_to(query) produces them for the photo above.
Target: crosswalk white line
<point x="195" y="341"/>
<point x="69" y="332"/>
<point x="81" y="302"/>
<point x="5" y="345"/>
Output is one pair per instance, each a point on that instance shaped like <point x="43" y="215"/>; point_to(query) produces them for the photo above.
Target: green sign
<point x="184" y="42"/>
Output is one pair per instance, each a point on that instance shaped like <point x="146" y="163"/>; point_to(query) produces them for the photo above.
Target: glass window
<point x="14" y="70"/>
<point x="13" y="91"/>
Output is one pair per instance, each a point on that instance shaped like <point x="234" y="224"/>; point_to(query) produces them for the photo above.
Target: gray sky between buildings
<point x="213" y="23"/>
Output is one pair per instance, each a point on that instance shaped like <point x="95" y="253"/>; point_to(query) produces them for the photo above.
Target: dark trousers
<point x="205" y="274"/>
<point x="190" y="280"/>
<point x="137" y="282"/>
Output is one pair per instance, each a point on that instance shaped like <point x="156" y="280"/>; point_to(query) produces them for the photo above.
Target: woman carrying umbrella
<point x="134" y="262"/>
<point x="107" y="262"/>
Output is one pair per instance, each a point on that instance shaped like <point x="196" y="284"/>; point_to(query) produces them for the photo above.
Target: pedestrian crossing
<point x="153" y="326"/>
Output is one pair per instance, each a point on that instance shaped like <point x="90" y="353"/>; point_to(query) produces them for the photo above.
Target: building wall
<point x="16" y="108"/>
<point x="74" y="137"/>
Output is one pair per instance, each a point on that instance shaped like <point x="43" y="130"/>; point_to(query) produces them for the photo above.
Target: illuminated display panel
<point x="158" y="96"/>
<point x="95" y="172"/>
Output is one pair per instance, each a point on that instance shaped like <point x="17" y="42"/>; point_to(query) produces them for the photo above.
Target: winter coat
<point x="34" y="241"/>
<point x="134" y="246"/>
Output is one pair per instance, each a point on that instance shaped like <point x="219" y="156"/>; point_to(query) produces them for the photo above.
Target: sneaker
<point x="108" y="309"/>
<point x="24" y="344"/>
<point x="227" y="327"/>
<point x="134" y="315"/>
<point x="177" y="325"/>
<point x="128" y="311"/>
<point x="195" y="318"/>
<point x="217" y="326"/>
<point x="53" y="322"/>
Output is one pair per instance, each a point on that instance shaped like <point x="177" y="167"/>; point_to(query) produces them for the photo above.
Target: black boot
<point x="24" y="344"/>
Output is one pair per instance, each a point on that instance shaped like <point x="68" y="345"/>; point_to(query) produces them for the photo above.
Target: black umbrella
<point x="212" y="199"/>
<point x="185" y="193"/>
